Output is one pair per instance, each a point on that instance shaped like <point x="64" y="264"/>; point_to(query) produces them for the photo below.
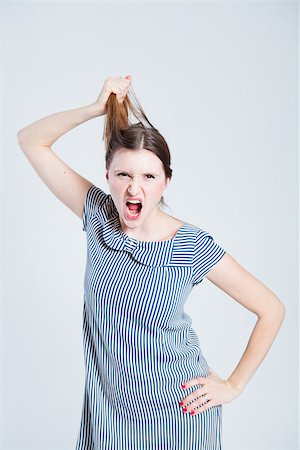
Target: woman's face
<point x="136" y="174"/>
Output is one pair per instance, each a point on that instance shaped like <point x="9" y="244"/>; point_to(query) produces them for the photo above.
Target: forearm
<point x="47" y="130"/>
<point x="260" y="341"/>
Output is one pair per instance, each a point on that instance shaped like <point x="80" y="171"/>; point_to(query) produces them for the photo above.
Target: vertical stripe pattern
<point x="139" y="343"/>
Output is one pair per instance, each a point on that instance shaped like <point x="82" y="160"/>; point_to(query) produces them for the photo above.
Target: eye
<point x="122" y="173"/>
<point x="149" y="175"/>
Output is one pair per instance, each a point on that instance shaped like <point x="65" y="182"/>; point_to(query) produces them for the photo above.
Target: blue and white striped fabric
<point x="139" y="345"/>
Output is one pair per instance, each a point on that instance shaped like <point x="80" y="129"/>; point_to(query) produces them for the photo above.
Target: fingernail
<point x="183" y="386"/>
<point x="181" y="403"/>
<point x="192" y="412"/>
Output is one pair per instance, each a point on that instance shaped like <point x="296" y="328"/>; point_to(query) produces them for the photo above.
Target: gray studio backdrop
<point x="219" y="81"/>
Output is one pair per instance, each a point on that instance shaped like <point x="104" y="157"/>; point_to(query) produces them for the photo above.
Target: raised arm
<point x="37" y="138"/>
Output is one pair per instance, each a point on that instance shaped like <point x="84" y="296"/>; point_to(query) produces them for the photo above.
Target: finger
<point x="121" y="97"/>
<point x="117" y="85"/>
<point x="112" y="88"/>
<point x="123" y="89"/>
<point x="124" y="80"/>
<point x="190" y="399"/>
<point x="203" y="407"/>
<point x="122" y="93"/>
<point x="198" y="404"/>
<point x="194" y="382"/>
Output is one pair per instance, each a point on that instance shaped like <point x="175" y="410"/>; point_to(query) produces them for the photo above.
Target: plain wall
<point x="220" y="82"/>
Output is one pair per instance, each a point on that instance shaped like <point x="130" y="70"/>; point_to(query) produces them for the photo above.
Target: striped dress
<point x="139" y="345"/>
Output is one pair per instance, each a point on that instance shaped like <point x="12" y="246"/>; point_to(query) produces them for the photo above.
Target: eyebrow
<point x="152" y="173"/>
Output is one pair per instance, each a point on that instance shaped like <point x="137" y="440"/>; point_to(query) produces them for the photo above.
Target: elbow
<point x="281" y="308"/>
<point x="280" y="315"/>
<point x="19" y="134"/>
<point x="22" y="140"/>
<point x="274" y="312"/>
<point x="277" y="314"/>
<point x="19" y="138"/>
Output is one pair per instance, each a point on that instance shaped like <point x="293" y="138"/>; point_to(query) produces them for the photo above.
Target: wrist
<point x="94" y="110"/>
<point x="238" y="386"/>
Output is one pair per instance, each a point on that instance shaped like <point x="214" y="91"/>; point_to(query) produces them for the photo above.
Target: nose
<point x="134" y="186"/>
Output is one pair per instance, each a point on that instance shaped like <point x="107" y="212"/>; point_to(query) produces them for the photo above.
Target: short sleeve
<point x="207" y="253"/>
<point x="94" y="199"/>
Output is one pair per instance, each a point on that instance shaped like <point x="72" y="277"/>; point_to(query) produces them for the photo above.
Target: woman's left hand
<point x="214" y="390"/>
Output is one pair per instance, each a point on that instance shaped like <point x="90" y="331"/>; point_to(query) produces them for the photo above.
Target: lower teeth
<point x="133" y="215"/>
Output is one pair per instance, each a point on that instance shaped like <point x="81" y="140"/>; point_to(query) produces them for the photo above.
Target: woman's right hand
<point x="112" y="85"/>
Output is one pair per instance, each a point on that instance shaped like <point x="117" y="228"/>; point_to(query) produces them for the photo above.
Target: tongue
<point x="133" y="207"/>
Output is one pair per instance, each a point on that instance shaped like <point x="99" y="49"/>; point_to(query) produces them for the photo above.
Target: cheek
<point x="115" y="187"/>
<point x="160" y="188"/>
<point x="155" y="193"/>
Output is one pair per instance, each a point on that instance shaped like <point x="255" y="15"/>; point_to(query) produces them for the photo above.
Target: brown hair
<point x="120" y="133"/>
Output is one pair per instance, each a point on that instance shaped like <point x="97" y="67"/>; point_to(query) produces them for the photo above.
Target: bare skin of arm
<point x="251" y="293"/>
<point x="37" y="138"/>
<point x="254" y="295"/>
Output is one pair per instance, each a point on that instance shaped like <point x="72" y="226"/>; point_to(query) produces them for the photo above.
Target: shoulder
<point x="207" y="253"/>
<point x="95" y="195"/>
<point x="95" y="201"/>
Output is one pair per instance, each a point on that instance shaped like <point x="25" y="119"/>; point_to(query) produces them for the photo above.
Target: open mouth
<point x="133" y="209"/>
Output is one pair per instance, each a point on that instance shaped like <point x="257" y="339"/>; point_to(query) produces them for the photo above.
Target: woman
<point x="148" y="385"/>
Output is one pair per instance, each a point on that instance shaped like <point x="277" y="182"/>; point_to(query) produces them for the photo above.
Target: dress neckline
<point x="144" y="243"/>
<point x="149" y="253"/>
<point x="115" y="217"/>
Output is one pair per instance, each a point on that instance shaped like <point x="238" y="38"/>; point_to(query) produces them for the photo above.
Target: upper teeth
<point x="134" y="201"/>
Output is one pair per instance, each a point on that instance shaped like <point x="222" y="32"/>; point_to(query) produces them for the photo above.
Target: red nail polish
<point x="183" y="386"/>
<point x="184" y="409"/>
<point x="193" y="412"/>
<point x="181" y="403"/>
